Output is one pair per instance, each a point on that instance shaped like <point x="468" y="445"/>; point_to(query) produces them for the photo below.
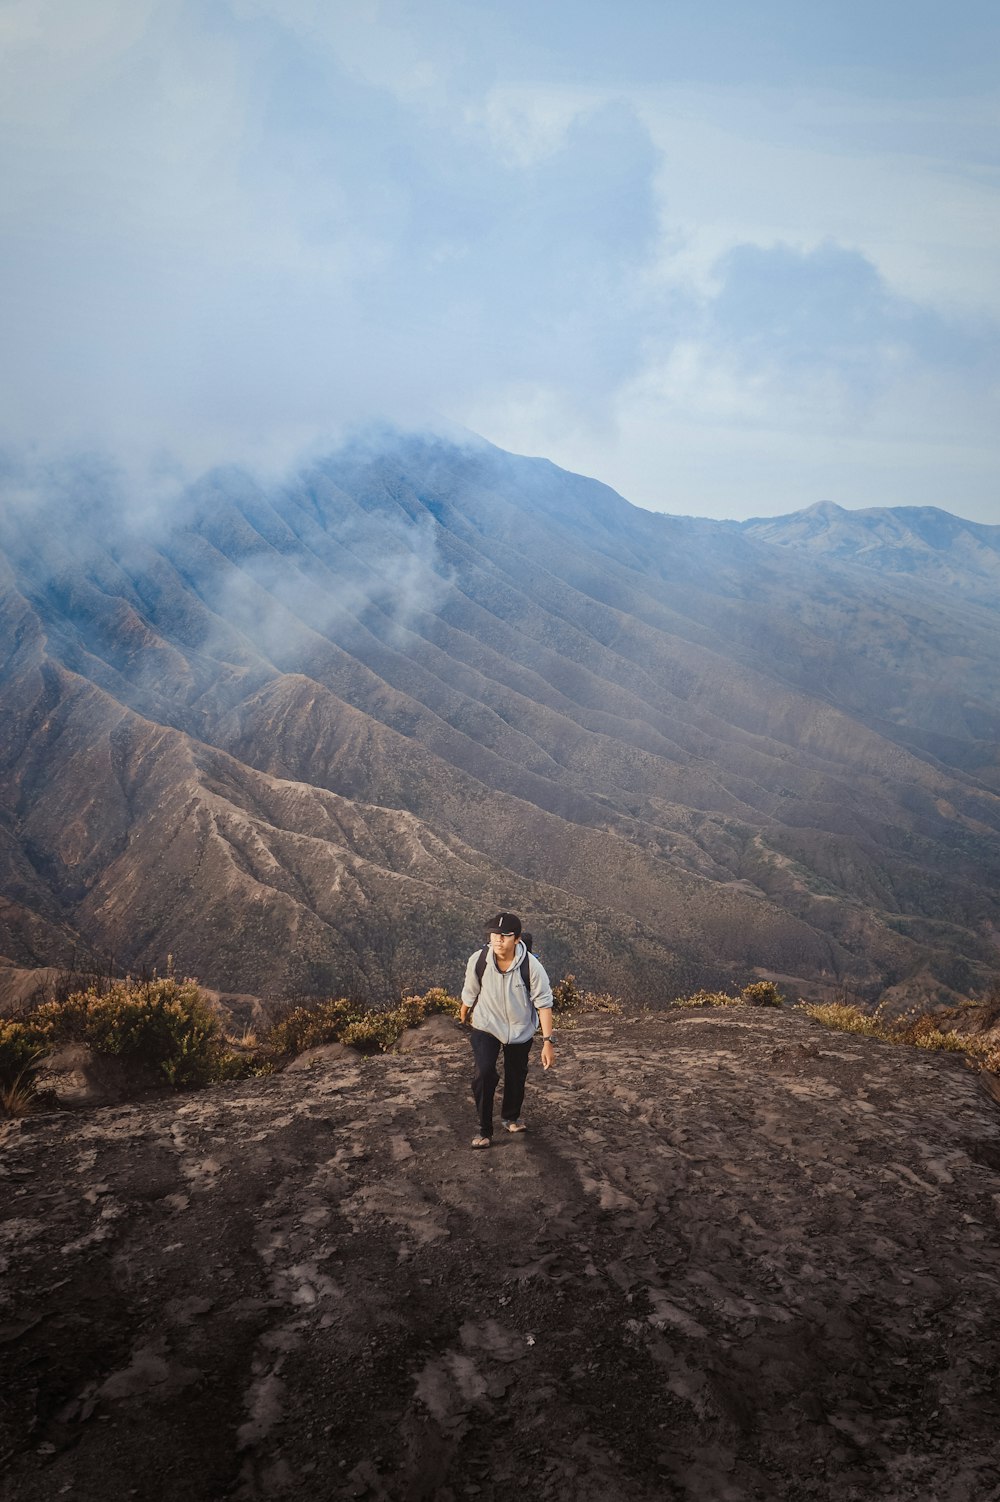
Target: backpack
<point x="524" y="967"/>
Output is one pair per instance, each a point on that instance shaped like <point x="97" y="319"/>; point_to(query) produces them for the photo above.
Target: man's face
<point x="503" y="946"/>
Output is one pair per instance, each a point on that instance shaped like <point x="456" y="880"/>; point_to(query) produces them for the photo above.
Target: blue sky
<point x="732" y="260"/>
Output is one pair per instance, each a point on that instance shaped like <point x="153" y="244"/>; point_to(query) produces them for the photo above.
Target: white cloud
<point x="238" y="228"/>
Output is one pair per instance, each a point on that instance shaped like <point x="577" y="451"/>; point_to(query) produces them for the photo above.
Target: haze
<point x="731" y="261"/>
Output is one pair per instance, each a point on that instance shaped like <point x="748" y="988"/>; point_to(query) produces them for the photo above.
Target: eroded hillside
<point x="303" y="738"/>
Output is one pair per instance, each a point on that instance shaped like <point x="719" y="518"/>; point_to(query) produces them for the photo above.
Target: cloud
<point x="790" y="314"/>
<point x="231" y="232"/>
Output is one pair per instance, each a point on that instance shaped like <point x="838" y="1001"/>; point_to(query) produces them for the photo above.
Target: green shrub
<point x="760" y="993"/>
<point x="382" y="1029"/>
<point x="21" y="1051"/>
<point x="311" y="1027"/>
<point x="241" y="1064"/>
<point x="163" y="1026"/>
<point x="376" y="1031"/>
<point x="21" y="1048"/>
<point x="343" y="1021"/>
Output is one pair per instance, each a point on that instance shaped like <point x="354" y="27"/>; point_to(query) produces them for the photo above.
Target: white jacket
<point x="502" y="1005"/>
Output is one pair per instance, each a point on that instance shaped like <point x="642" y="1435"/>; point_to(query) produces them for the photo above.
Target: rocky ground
<point x="736" y="1256"/>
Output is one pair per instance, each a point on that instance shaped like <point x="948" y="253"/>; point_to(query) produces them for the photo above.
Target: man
<point x="507" y="1000"/>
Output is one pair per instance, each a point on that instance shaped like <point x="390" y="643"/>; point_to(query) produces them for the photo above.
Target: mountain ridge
<point x="728" y="753"/>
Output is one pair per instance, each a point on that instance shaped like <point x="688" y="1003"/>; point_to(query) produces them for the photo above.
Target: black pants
<point x="485" y="1052"/>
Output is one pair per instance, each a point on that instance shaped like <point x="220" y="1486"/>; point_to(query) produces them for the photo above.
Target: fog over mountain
<point x="305" y="735"/>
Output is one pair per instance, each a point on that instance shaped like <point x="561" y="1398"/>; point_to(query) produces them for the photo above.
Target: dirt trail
<point x="735" y="1257"/>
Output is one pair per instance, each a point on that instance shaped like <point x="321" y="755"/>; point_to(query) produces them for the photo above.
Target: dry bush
<point x="915" y="1031"/>
<point x="706" y="999"/>
<point x="567" y="997"/>
<point x="20" y="1097"/>
<point x="568" y="1001"/>
<point x="602" y="1001"/>
<point x="762" y="993"/>
<point x="342" y="1021"/>
<point x="846" y="1017"/>
<point x="927" y="1032"/>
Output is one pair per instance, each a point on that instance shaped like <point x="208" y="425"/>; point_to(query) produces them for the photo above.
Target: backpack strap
<point x="525" y="968"/>
<point x="480" y="972"/>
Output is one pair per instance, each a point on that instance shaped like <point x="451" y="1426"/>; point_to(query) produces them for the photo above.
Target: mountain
<point x="305" y="736"/>
<point x="903" y="542"/>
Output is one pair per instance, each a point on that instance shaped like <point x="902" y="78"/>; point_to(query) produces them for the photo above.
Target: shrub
<point x="311" y="1027"/>
<point x="21" y="1052"/>
<point x="926" y="1032"/>
<point x="381" y="1030"/>
<point x="165" y="1025"/>
<point x="21" y="1048"/>
<point x="567" y="996"/>
<point x="343" y="1021"/>
<point x="602" y="1001"/>
<point x="161" y="1025"/>
<point x="568" y="1001"/>
<point x="846" y="1017"/>
<point x="241" y="1064"/>
<point x="706" y="999"/>
<point x="762" y="993"/>
<point x="917" y="1032"/>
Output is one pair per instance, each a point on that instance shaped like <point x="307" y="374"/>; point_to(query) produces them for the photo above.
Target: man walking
<point x="507" y="994"/>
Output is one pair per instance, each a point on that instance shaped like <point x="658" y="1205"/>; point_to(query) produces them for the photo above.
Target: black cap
<point x="504" y="923"/>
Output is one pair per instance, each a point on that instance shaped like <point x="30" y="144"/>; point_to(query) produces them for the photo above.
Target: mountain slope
<point x="304" y="737"/>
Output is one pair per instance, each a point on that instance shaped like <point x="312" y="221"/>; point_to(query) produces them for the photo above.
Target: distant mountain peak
<point x="824" y="508"/>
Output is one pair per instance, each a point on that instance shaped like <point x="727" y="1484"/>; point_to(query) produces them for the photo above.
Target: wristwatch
<point x="550" y="1039"/>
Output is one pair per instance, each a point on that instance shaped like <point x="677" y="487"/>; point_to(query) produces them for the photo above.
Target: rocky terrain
<point x="303" y="737"/>
<point x="736" y="1256"/>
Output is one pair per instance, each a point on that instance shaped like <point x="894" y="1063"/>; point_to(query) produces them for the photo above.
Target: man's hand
<point x="463" y="1015"/>
<point x="548" y="1054"/>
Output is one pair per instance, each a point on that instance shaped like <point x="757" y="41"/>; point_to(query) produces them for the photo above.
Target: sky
<point x="732" y="260"/>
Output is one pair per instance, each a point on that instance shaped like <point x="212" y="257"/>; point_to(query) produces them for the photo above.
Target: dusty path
<point x="735" y="1257"/>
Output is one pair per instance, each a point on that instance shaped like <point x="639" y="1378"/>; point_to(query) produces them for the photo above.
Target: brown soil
<point x="735" y="1256"/>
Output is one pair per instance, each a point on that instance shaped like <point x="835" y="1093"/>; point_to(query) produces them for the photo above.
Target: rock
<point x="436" y="1032"/>
<point x="74" y="1075"/>
<point x="320" y="1057"/>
